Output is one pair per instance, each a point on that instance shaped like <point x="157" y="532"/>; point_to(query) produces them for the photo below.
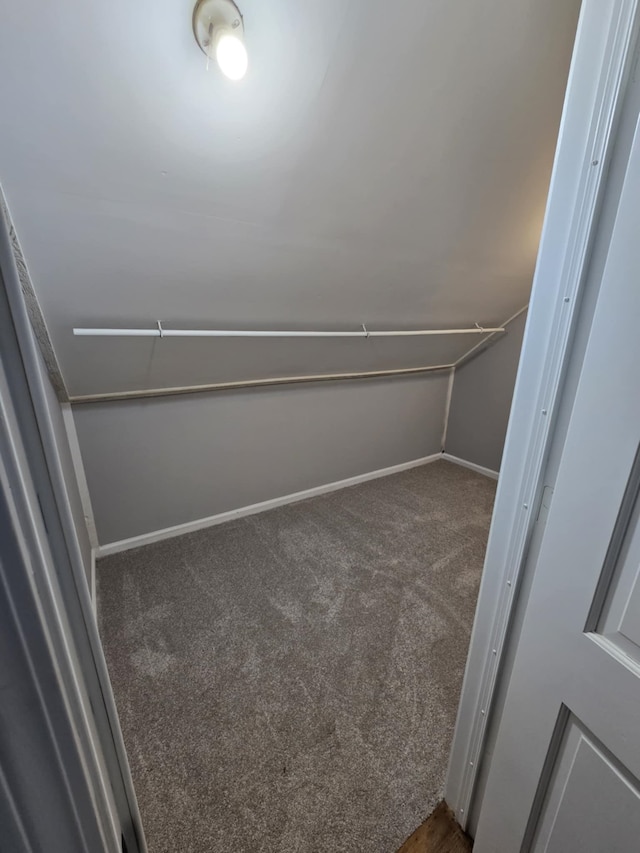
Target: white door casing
<point x="58" y="604"/>
<point x="566" y="767"/>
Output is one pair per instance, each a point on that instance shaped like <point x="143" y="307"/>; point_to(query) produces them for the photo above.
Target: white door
<point x="565" y="777"/>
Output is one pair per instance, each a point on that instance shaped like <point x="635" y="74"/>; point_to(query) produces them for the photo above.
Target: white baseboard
<point x="472" y="465"/>
<point x="241" y="512"/>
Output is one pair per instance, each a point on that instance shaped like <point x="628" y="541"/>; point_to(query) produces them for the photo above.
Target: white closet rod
<point x="159" y="332"/>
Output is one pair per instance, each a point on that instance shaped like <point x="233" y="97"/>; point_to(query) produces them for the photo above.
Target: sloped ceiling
<point x="380" y="163"/>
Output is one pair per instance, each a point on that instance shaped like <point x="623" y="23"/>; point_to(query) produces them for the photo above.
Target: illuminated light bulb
<point x="218" y="26"/>
<point x="231" y="54"/>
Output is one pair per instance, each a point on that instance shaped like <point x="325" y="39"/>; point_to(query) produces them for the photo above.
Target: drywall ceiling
<point x="380" y="163"/>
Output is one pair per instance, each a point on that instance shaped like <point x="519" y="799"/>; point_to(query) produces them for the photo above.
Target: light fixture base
<point x="211" y="14"/>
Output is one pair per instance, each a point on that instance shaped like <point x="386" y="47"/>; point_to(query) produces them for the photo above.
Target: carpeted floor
<point x="288" y="682"/>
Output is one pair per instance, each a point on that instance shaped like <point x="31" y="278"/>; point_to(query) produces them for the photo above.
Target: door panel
<point x="567" y="755"/>
<point x="591" y="804"/>
<point x="619" y="622"/>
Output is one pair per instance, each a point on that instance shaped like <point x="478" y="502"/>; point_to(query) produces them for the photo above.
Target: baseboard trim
<point x="472" y="465"/>
<point x="253" y="509"/>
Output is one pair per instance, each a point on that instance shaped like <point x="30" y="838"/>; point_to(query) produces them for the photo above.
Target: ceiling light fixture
<point x="219" y="31"/>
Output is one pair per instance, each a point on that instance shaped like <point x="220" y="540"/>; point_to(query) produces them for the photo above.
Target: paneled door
<point x="565" y="776"/>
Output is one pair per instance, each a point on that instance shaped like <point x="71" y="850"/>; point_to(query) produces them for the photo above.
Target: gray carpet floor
<point x="288" y="682"/>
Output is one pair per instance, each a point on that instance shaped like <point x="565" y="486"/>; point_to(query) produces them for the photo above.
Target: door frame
<point x="44" y="588"/>
<point x="606" y="40"/>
